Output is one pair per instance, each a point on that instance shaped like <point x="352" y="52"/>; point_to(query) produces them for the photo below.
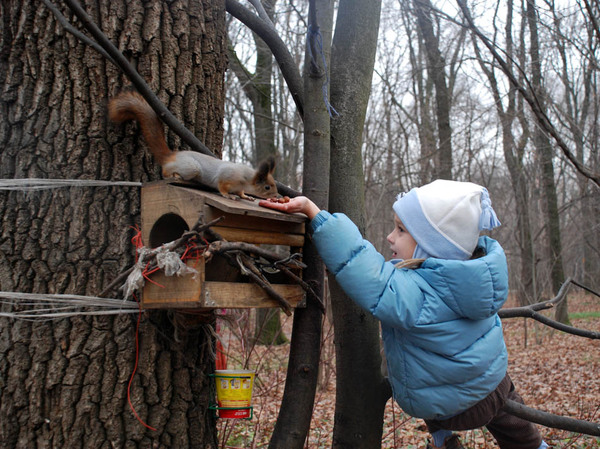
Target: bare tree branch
<point x="255" y="274"/>
<point x="531" y="311"/>
<point x="528" y="313"/>
<point x="550" y="420"/>
<point x="530" y="98"/>
<point x="262" y="13"/>
<point x="593" y="19"/>
<point x="284" y="59"/>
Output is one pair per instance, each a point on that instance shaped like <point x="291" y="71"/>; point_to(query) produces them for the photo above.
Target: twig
<point x="221" y="246"/>
<point x="558" y="325"/>
<point x="258" y="278"/>
<point x="116" y="282"/>
<point x="198" y="228"/>
<point x="304" y="285"/>
<point x="518" y="311"/>
<point x="251" y="270"/>
<point x="588" y="289"/>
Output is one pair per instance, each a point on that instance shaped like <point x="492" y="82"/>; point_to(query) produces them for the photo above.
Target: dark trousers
<point x="509" y="431"/>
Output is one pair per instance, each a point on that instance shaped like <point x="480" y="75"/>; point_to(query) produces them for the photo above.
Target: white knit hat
<point x="445" y="217"/>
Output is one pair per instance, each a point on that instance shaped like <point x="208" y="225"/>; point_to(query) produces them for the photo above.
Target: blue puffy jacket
<point x="441" y="332"/>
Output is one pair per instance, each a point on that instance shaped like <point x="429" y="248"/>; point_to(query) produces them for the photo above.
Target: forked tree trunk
<point x="63" y="383"/>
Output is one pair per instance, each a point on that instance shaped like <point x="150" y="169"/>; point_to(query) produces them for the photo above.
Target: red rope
<point x="221" y="358"/>
<point x="192" y="251"/>
<point x="146" y="273"/>
<point x="137" y="355"/>
<point x="136" y="240"/>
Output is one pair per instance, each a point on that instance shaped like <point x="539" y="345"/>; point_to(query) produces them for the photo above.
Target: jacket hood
<point x="474" y="289"/>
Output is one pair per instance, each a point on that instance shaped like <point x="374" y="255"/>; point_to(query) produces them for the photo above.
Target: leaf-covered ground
<point x="553" y="371"/>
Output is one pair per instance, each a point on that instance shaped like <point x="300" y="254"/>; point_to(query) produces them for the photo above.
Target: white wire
<point x="40" y="184"/>
<point x="59" y="306"/>
<point x="52" y="306"/>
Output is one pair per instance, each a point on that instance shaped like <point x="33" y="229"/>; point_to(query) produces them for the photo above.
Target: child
<point x="438" y="308"/>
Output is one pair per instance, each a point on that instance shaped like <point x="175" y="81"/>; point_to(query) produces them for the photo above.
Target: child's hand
<point x="298" y="204"/>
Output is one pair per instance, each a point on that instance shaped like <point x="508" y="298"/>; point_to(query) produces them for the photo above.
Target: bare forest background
<point x="402" y="146"/>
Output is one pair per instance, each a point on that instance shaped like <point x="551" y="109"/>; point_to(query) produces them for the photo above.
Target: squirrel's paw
<point x="230" y="196"/>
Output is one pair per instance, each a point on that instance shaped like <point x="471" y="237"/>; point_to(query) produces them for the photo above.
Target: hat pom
<point x="488" y="219"/>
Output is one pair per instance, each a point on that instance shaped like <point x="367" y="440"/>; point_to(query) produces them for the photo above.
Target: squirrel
<point x="227" y="177"/>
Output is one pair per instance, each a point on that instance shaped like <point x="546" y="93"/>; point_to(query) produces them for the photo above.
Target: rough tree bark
<point x="64" y="382"/>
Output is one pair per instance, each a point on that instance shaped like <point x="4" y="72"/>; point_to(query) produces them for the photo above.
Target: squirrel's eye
<point x="267" y="187"/>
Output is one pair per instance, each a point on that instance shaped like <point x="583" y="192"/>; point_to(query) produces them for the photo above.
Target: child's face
<point x="401" y="242"/>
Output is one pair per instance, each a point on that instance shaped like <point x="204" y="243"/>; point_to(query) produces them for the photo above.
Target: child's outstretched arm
<point x="298" y="204"/>
<point x="360" y="270"/>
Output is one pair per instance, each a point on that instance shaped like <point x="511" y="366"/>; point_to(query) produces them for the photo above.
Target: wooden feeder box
<point x="169" y="209"/>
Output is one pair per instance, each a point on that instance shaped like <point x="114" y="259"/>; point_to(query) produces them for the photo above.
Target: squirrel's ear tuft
<point x="271" y="163"/>
<point x="266" y="167"/>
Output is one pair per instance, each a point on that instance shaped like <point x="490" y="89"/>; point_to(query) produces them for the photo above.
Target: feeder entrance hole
<point x="167" y="228"/>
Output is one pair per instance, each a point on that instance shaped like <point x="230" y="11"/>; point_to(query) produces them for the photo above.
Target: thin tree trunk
<point x="578" y="113"/>
<point x="436" y="69"/>
<point x="513" y="156"/>
<point x="295" y="415"/>
<point x="258" y="89"/>
<point x="360" y="387"/>
<point x="546" y="154"/>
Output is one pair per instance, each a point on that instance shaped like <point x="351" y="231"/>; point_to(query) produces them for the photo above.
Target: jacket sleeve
<point x="392" y="295"/>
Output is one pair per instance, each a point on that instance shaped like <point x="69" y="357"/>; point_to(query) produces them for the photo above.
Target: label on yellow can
<point x="234" y="387"/>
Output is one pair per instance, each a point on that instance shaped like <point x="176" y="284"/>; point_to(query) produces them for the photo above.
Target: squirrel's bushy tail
<point x="132" y="106"/>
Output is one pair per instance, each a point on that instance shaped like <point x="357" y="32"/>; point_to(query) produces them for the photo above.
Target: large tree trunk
<point x="64" y="382"/>
<point x="360" y="392"/>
